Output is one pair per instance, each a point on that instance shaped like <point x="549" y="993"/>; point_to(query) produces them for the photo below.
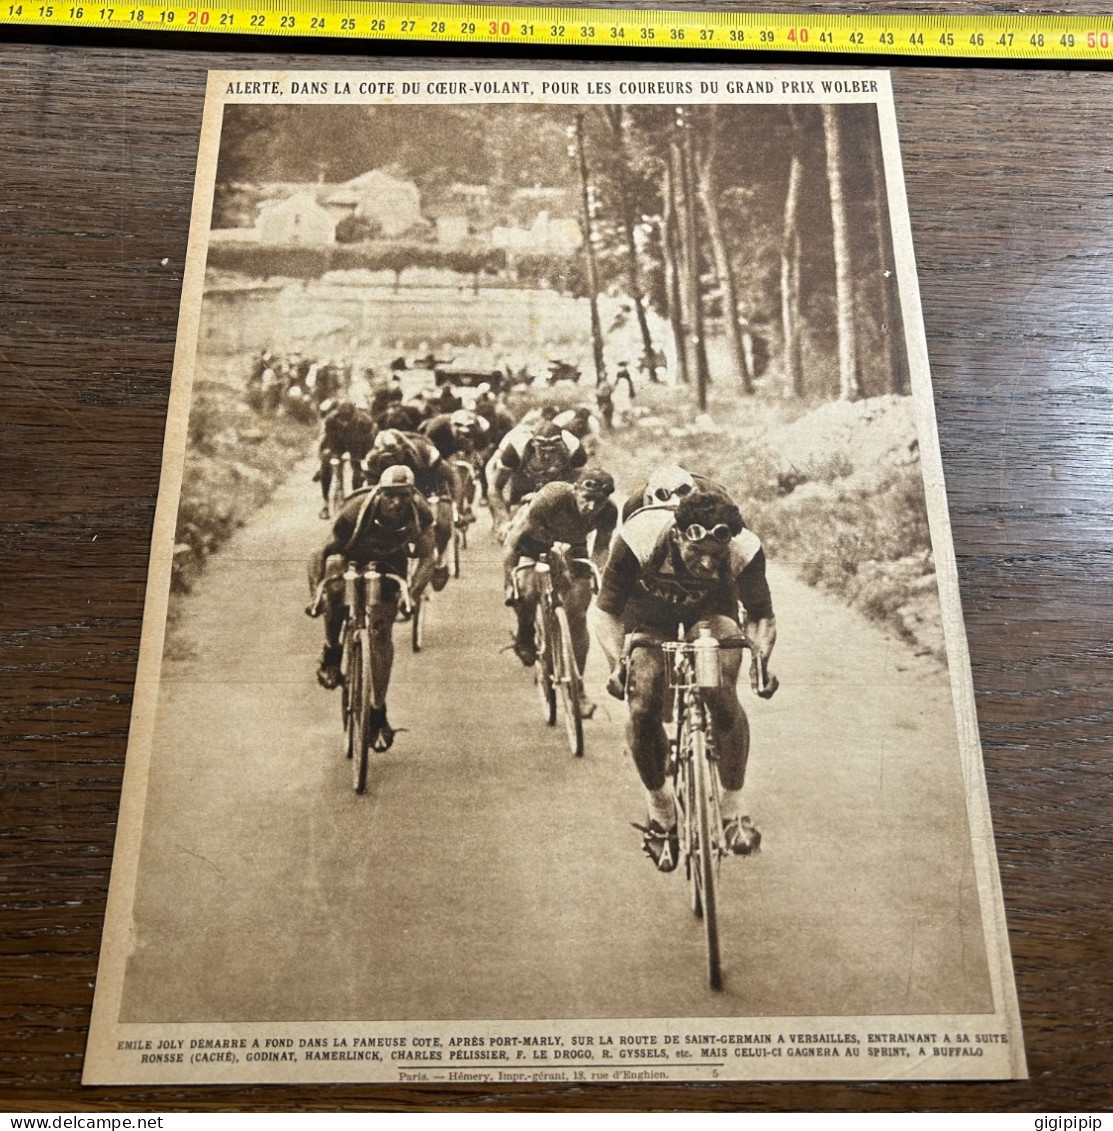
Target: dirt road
<point x="486" y="873"/>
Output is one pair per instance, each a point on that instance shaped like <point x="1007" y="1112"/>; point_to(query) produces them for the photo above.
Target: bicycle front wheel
<point x="457" y="544"/>
<point x="358" y="737"/>
<point x="705" y="862"/>
<point x="567" y="679"/>
<point x="543" y="670"/>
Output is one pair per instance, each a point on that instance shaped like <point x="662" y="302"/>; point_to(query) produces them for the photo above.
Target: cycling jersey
<point x="499" y="422"/>
<point x="448" y="442"/>
<point x="352" y="434"/>
<point x="553" y="516"/>
<point x="646" y="583"/>
<point x="420" y="456"/>
<point x="400" y="417"/>
<point x="363" y="536"/>
<point x="516" y="451"/>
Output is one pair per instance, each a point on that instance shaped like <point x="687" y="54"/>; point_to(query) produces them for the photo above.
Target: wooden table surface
<point x="1010" y="180"/>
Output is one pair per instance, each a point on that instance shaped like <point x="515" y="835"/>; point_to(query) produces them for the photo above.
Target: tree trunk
<point x="670" y="246"/>
<point x="616" y="119"/>
<point x="589" y="250"/>
<point x="844" y="281"/>
<point x="709" y="198"/>
<point x="690" y="282"/>
<point x="891" y="324"/>
<point x="790" y="272"/>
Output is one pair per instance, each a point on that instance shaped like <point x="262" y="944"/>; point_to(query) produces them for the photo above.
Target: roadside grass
<point x="834" y="491"/>
<point x="235" y="458"/>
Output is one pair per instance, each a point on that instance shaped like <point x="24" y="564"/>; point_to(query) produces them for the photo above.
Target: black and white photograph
<point x="553" y="666"/>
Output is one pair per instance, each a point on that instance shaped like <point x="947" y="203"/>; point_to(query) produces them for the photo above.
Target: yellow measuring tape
<point x="1010" y="36"/>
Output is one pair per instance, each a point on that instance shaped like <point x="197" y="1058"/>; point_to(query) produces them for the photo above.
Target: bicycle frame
<point x="693" y="767"/>
<point x="362" y="592"/>
<point x="557" y="675"/>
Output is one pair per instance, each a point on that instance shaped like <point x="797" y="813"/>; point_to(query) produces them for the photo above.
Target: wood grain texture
<point x="1009" y="174"/>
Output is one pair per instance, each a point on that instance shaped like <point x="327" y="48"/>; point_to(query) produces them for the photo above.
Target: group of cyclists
<point x="295" y="384"/>
<point x="677" y="553"/>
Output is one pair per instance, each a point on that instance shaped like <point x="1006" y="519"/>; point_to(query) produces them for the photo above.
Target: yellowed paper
<point x="483" y="911"/>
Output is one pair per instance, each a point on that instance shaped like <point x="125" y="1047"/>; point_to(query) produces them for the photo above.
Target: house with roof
<point x="296" y="219"/>
<point x="390" y="202"/>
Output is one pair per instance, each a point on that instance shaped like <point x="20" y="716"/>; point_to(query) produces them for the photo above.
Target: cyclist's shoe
<point x="587" y="705"/>
<point x="328" y="674"/>
<point x="439" y="579"/>
<point x="661" y="845"/>
<point x="323" y="512"/>
<point x="511" y="599"/>
<point x="382" y="733"/>
<point x="740" y="837"/>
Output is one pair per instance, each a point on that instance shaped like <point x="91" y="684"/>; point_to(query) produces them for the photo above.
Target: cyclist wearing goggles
<point x="568" y="513"/>
<point x="383" y="526"/>
<point x="665" y="488"/>
<point x="526" y="460"/>
<point x="666" y="568"/>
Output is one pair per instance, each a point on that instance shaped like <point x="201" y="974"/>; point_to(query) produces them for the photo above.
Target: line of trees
<point x="759" y="223"/>
<point x="764" y="226"/>
<point x="562" y="273"/>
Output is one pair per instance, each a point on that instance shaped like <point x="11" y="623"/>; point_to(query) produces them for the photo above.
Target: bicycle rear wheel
<point x="543" y="669"/>
<point x="458" y="535"/>
<point x="567" y="680"/>
<point x="685" y="786"/>
<point x="359" y="740"/>
<point x="705" y="862"/>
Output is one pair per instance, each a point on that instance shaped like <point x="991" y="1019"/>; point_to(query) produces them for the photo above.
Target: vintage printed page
<point x="491" y="373"/>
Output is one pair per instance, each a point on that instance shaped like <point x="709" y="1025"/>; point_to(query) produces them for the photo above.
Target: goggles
<point x="696" y="533"/>
<point x="596" y="487"/>
<point x="663" y="494"/>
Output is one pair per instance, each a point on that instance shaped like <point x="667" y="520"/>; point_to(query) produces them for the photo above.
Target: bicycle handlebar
<point x="762" y="682"/>
<point x="313" y="609"/>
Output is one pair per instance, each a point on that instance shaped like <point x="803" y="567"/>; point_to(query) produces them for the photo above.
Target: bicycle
<point x="557" y="675"/>
<point x="362" y="591"/>
<point x="692" y="666"/>
<point x="463" y="517"/>
<point x="342" y="481"/>
<point x="417" y="613"/>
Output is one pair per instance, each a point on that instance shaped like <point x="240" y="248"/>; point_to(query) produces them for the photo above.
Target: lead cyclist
<point x="667" y="568"/>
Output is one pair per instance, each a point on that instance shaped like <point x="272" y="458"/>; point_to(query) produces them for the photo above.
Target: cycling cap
<point x="461" y="418"/>
<point x="396" y="477"/>
<point x="390" y="438"/>
<point x="670" y="482"/>
<point x="596" y="482"/>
